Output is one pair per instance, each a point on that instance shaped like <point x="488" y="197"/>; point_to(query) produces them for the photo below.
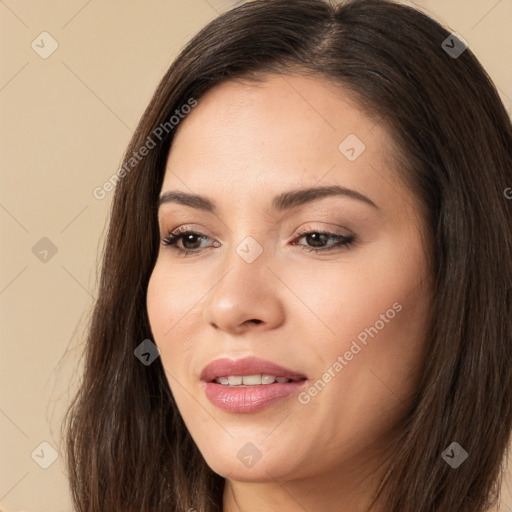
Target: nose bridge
<point x="245" y="264"/>
<point x="248" y="248"/>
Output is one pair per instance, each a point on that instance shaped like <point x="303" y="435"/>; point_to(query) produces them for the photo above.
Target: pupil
<point x="317" y="235"/>
<point x="189" y="238"/>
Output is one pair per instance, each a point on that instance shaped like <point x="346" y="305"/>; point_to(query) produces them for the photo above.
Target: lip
<point x="248" y="399"/>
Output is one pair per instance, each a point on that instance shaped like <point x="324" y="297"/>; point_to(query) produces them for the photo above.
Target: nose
<point x="248" y="296"/>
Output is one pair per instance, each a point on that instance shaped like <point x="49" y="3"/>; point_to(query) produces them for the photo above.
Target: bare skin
<point x="242" y="145"/>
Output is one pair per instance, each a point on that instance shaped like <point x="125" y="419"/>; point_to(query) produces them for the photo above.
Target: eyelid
<point x="324" y="226"/>
<point x="304" y="229"/>
<point x="181" y="228"/>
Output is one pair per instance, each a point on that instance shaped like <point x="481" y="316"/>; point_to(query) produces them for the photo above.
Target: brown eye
<point x="190" y="240"/>
<point x="317" y="241"/>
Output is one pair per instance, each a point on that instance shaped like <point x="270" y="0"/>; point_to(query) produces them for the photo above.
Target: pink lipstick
<point x="249" y="384"/>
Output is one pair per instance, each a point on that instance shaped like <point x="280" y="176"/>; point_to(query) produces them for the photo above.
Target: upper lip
<point x="246" y="366"/>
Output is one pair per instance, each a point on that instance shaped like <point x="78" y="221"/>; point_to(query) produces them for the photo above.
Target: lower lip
<point x="245" y="399"/>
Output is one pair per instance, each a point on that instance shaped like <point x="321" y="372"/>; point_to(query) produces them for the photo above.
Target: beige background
<point x="65" y="121"/>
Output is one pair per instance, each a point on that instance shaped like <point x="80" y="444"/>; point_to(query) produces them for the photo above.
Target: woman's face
<point x="348" y="313"/>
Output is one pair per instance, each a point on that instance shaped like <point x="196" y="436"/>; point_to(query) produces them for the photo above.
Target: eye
<point x="186" y="237"/>
<point x="319" y="238"/>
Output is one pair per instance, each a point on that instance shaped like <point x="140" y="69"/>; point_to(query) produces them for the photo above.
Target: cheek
<point x="159" y="304"/>
<point x="371" y="309"/>
<point x="370" y="366"/>
<point x="168" y="301"/>
<point x="350" y="294"/>
<point x="173" y="298"/>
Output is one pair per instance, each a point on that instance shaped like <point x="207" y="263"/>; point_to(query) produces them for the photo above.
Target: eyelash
<point x="341" y="241"/>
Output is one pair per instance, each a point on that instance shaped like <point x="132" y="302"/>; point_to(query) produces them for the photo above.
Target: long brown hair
<point x="127" y="446"/>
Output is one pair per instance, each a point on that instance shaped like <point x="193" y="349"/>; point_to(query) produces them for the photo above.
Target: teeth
<point x="250" y="380"/>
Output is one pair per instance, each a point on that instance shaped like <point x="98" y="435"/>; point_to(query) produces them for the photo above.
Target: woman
<point x="305" y="301"/>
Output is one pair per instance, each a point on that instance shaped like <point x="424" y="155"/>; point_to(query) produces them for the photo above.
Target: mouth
<point x="248" y="371"/>
<point x="252" y="380"/>
<point x="249" y="384"/>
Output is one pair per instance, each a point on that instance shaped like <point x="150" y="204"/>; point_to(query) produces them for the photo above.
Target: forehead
<point x="265" y="136"/>
<point x="279" y="109"/>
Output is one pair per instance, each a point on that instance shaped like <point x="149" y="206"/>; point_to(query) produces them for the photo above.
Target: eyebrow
<point x="281" y="202"/>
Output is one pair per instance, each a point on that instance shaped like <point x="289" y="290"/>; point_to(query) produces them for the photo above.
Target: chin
<point x="247" y="464"/>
